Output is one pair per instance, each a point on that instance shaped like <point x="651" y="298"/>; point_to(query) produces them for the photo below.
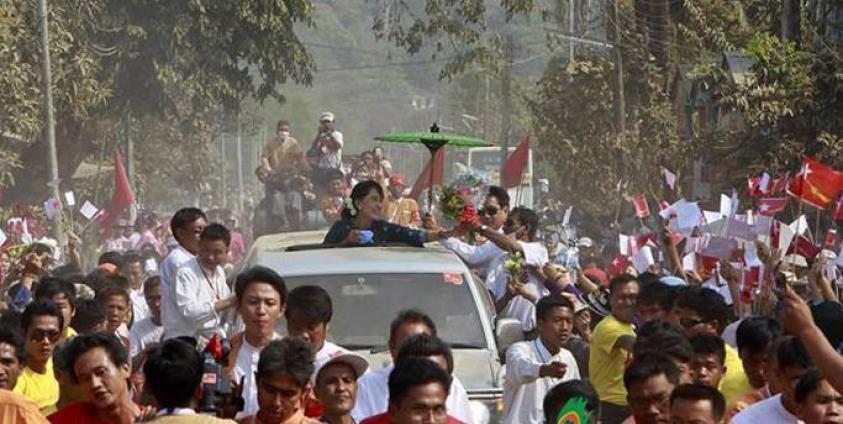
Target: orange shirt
<point x="16" y="409"/>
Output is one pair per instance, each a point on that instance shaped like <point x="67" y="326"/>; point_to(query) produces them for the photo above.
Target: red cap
<point x="396" y="180"/>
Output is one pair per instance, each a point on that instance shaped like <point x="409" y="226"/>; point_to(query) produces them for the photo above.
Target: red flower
<point x="469" y="215"/>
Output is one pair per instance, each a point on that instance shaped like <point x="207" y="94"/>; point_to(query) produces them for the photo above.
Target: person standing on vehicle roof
<point x="325" y="154"/>
<point x="362" y="222"/>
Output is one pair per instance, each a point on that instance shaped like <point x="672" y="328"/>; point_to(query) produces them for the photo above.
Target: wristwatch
<point x="483" y="228"/>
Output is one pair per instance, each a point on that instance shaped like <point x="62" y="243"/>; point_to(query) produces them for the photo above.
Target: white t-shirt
<point x="192" y="297"/>
<point x="535" y="254"/>
<point x="769" y="411"/>
<point x="140" y="309"/>
<point x="480" y="257"/>
<point x="523" y="390"/>
<point x="143" y="334"/>
<point x="176" y="259"/>
<point x="373" y="396"/>
<point x="245" y="367"/>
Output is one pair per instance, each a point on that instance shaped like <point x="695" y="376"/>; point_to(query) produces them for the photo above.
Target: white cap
<point x="355" y="361"/>
<point x="585" y="242"/>
<point x="326" y="116"/>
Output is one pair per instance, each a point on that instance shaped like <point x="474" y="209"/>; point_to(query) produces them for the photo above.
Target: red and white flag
<point x="642" y="209"/>
<point x="618" y="266"/>
<point x="838" y="209"/>
<point x="752" y="184"/>
<point x="816" y="184"/>
<point x="772" y="206"/>
<point x="805" y="247"/>
<point x="780" y="183"/>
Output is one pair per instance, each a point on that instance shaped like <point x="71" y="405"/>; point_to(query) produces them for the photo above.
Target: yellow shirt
<point x="41" y="389"/>
<point x="734" y="383"/>
<point x="606" y="363"/>
<point x="69" y="332"/>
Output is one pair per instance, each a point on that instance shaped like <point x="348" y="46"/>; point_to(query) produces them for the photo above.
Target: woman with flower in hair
<point x="362" y="222"/>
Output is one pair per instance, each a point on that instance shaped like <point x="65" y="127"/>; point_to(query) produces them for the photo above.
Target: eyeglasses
<point x="691" y="322"/>
<point x="489" y="211"/>
<point x="51" y="335"/>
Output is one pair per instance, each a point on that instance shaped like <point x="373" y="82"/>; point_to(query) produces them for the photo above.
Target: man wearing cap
<point x="326" y="151"/>
<point x="401" y="210"/>
<point x="336" y="387"/>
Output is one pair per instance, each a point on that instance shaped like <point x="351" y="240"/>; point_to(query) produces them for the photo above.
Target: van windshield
<point x="365" y="304"/>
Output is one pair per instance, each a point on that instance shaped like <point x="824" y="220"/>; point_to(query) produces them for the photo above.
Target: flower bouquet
<point x="466" y="190"/>
<point x="514" y="265"/>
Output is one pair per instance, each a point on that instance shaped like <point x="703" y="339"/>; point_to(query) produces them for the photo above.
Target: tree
<point x="176" y="63"/>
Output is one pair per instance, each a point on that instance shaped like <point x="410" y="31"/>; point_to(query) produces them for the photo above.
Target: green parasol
<point x="433" y="140"/>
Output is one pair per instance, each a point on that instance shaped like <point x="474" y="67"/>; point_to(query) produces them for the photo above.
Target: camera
<point x="218" y="395"/>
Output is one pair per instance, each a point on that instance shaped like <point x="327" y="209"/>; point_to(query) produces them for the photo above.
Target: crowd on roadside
<point x="151" y="331"/>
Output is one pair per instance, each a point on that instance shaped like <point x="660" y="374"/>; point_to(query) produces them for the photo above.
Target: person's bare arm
<point x="671" y="253"/>
<point x="798" y="321"/>
<point x="625" y="342"/>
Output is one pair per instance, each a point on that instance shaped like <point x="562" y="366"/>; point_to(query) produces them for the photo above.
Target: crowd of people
<point x="319" y="179"/>
<point x="161" y="328"/>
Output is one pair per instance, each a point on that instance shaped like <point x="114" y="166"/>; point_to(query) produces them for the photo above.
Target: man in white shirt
<point x="534" y="367"/>
<point x="326" y="150"/>
<point x="373" y="387"/>
<point x="149" y="330"/>
<point x="133" y="269"/>
<point x="515" y="296"/>
<point x="494" y="213"/>
<point x="261" y="294"/>
<point x="792" y="363"/>
<point x="309" y="311"/>
<point x="199" y="293"/>
<point x="187" y="224"/>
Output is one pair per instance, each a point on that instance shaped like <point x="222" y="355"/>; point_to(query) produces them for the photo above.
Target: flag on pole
<point x="772" y="206"/>
<point x="423" y="181"/>
<point x="816" y="184"/>
<point x="780" y="183"/>
<point x="642" y="209"/>
<point x="515" y="165"/>
<point x="838" y="209"/>
<point x="669" y="178"/>
<point x="618" y="266"/>
<point x="122" y="198"/>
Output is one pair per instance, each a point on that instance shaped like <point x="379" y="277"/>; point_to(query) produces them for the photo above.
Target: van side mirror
<point x="507" y="332"/>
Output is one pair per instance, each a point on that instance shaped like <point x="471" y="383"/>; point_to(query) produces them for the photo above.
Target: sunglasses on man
<point x="489" y="211"/>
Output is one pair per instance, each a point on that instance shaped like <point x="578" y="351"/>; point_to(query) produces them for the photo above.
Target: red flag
<point x="775" y="232"/>
<point x="771" y="206"/>
<point x="780" y="183"/>
<point x="838" y="209"/>
<point x="816" y="184"/>
<point x="643" y="239"/>
<point x="642" y="209"/>
<point x="618" y="266"/>
<point x="752" y="185"/>
<point x="516" y="164"/>
<point x="123" y="197"/>
<point x="804" y="247"/>
<point x="423" y="181"/>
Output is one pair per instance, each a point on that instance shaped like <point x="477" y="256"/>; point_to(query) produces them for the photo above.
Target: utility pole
<point x="571" y="29"/>
<point x="506" y="95"/>
<point x="130" y="149"/>
<point x="620" y="101"/>
<point x="52" y="157"/>
<point x="222" y="174"/>
<point x="239" y="164"/>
